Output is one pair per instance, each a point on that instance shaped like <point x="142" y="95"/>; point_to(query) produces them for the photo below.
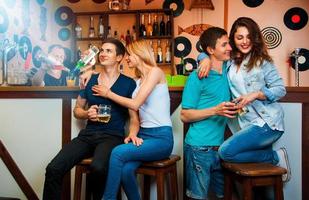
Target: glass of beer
<point x="104" y="113"/>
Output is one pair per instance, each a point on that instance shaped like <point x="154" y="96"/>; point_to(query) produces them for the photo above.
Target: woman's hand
<point x="244" y="100"/>
<point x="134" y="139"/>
<point x="204" y="68"/>
<point x="226" y="109"/>
<point x="93" y="113"/>
<point x="84" y="78"/>
<point x="100" y="90"/>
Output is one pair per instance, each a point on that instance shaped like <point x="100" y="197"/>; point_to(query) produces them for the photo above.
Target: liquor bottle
<point x="155" y="27"/>
<point x="116" y="35"/>
<point x="152" y="51"/>
<point x="93" y="50"/>
<point x="168" y="26"/>
<point x="149" y="26"/>
<point x="123" y="40"/>
<point x="101" y="28"/>
<point x="183" y="65"/>
<point x="128" y="37"/>
<point x="168" y="54"/>
<point x="78" y="30"/>
<point x="91" y="28"/>
<point x="133" y="33"/>
<point x="109" y="34"/>
<point x="162" y="26"/>
<point x="142" y="28"/>
<point x="159" y="53"/>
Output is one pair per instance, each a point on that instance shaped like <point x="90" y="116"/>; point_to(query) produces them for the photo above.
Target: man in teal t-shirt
<point x="206" y="106"/>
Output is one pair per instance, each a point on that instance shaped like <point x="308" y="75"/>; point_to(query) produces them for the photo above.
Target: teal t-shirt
<point x="206" y="93"/>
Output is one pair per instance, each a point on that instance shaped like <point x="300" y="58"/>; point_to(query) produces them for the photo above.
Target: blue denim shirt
<point x="266" y="79"/>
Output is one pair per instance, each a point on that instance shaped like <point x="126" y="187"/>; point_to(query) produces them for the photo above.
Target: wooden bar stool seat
<point x="250" y="175"/>
<point x="159" y="169"/>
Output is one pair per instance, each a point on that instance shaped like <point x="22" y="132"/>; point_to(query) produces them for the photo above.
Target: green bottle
<point x="86" y="59"/>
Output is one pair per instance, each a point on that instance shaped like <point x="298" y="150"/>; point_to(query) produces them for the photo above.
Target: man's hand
<point x="100" y="90"/>
<point x="248" y="98"/>
<point x="93" y="113"/>
<point x="226" y="109"/>
<point x="134" y="139"/>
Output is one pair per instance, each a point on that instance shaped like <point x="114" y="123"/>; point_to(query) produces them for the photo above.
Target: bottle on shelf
<point x="149" y="26"/>
<point x="109" y="34"/>
<point x="82" y="62"/>
<point x="183" y="66"/>
<point x="78" y="30"/>
<point x="168" y="29"/>
<point x="168" y="54"/>
<point x="133" y="33"/>
<point x="91" y="28"/>
<point x="152" y="51"/>
<point x="159" y="52"/>
<point x="155" y="27"/>
<point x="116" y="35"/>
<point x="122" y="39"/>
<point x="128" y="37"/>
<point x="101" y="28"/>
<point x="142" y="28"/>
<point x="162" y="26"/>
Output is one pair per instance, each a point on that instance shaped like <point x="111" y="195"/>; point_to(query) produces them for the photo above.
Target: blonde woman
<point x="154" y="140"/>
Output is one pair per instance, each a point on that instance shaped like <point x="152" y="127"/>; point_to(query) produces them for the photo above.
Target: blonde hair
<point x="142" y="49"/>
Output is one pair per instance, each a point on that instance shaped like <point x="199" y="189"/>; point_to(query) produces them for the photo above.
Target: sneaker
<point x="284" y="163"/>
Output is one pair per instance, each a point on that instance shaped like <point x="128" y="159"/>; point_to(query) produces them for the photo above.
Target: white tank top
<point x="155" y="111"/>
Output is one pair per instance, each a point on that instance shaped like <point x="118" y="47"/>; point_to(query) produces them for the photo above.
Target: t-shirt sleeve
<point x="82" y="93"/>
<point x="192" y="91"/>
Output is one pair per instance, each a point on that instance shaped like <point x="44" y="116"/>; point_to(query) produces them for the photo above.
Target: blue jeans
<point x="203" y="170"/>
<point x="126" y="158"/>
<point x="251" y="144"/>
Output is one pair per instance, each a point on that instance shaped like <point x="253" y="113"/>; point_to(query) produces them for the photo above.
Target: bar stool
<point x="250" y="175"/>
<point x="159" y="169"/>
<point x="80" y="169"/>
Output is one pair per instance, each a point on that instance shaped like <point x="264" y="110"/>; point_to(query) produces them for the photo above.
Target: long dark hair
<point x="258" y="52"/>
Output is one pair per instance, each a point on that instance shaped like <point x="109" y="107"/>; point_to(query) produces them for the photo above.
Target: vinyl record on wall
<point x="64" y="16"/>
<point x="64" y="34"/>
<point x="35" y="60"/>
<point x="198" y="46"/>
<point x="252" y="3"/>
<point x="190" y="64"/>
<point x="303" y="60"/>
<point x="24" y="47"/>
<point x="182" y="47"/>
<point x="272" y="37"/>
<point x="179" y="3"/>
<point x="295" y="18"/>
<point x="98" y="1"/>
<point x="4" y="22"/>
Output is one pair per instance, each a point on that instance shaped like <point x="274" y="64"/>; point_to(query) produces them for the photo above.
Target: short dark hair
<point x="120" y="49"/>
<point x="53" y="46"/>
<point x="210" y="36"/>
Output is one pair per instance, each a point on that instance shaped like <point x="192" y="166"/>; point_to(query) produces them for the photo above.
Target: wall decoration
<point x="295" y="18"/>
<point x="73" y="1"/>
<point x="40" y="2"/>
<point x="64" y="34"/>
<point x="202" y="4"/>
<point x="148" y="1"/>
<point x="24" y="47"/>
<point x="252" y="3"/>
<point x="98" y="1"/>
<point x="272" y="37"/>
<point x="4" y="22"/>
<point x="190" y="64"/>
<point x="26" y="16"/>
<point x="198" y="46"/>
<point x="35" y="58"/>
<point x="64" y="16"/>
<point x="195" y="30"/>
<point x="43" y="22"/>
<point x="186" y="47"/>
<point x="180" y="6"/>
<point x="303" y="59"/>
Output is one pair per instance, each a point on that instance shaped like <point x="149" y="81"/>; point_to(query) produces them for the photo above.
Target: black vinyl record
<point x="303" y="60"/>
<point x="64" y="34"/>
<point x="272" y="37"/>
<point x="180" y="6"/>
<point x="4" y="23"/>
<point x="190" y="64"/>
<point x="36" y="61"/>
<point x="64" y="16"/>
<point x="186" y="47"/>
<point x="98" y="1"/>
<point x="252" y="3"/>
<point x="295" y="18"/>
<point x="198" y="46"/>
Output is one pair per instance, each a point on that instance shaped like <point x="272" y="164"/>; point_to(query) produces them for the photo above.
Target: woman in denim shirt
<point x="256" y="87"/>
